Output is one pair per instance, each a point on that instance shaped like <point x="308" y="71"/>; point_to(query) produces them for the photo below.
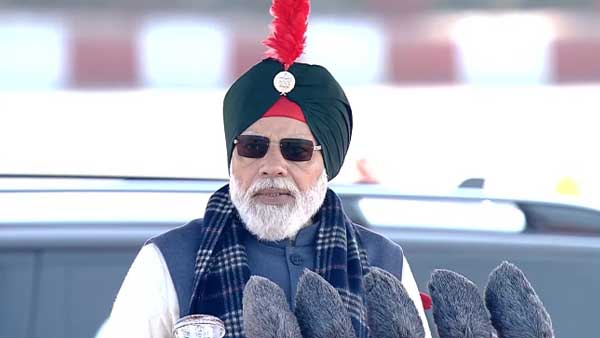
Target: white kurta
<point x="147" y="306"/>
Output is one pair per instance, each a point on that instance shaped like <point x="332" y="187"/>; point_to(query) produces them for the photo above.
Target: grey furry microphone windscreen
<point x="458" y="308"/>
<point x="320" y="310"/>
<point x="515" y="308"/>
<point x="391" y="312"/>
<point x="266" y="311"/>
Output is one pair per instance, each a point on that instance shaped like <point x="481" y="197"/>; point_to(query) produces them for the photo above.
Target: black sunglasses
<point x="292" y="149"/>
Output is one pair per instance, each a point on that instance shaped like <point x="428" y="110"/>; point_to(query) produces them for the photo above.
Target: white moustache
<point x="280" y="183"/>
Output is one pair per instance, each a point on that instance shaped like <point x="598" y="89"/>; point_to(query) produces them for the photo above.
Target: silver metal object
<point x="199" y="326"/>
<point x="284" y="82"/>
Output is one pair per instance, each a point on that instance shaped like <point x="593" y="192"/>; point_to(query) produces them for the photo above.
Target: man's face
<point x="274" y="196"/>
<point x="304" y="174"/>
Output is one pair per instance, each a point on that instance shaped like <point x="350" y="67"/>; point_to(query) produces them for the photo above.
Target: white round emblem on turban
<point x="284" y="82"/>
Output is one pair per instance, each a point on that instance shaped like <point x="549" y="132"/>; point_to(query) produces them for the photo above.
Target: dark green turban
<point x="319" y="95"/>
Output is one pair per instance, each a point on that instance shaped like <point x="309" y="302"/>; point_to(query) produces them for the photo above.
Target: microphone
<point x="516" y="310"/>
<point x="320" y="310"/>
<point x="458" y="308"/>
<point x="199" y="326"/>
<point x="391" y="312"/>
<point x="266" y="311"/>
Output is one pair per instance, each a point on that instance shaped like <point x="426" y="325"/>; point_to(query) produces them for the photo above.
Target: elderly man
<point x="288" y="127"/>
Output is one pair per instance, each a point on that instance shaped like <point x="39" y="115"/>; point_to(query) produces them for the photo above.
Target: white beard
<point x="277" y="222"/>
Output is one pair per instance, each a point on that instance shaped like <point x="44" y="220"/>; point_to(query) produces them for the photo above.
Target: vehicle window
<point x="447" y="215"/>
<point x="78" y="208"/>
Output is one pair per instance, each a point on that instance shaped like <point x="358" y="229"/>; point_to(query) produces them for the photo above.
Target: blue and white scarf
<point x="222" y="265"/>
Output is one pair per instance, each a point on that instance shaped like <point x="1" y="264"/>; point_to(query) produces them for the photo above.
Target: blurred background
<point x="442" y="91"/>
<point x="502" y="94"/>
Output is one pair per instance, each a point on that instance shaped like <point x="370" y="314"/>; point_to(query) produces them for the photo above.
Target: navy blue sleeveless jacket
<point x="179" y="248"/>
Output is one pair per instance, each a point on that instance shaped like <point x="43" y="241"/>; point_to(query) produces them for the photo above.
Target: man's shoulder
<point x="176" y="234"/>
<point x="381" y="251"/>
<point x="178" y="247"/>
<point x="375" y="239"/>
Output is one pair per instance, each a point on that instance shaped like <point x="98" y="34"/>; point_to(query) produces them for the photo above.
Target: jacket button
<point x="296" y="259"/>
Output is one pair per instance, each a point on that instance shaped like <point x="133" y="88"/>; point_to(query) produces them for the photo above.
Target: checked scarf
<point x="222" y="265"/>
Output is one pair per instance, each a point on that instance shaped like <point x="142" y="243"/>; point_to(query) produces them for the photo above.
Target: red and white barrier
<point x="163" y="51"/>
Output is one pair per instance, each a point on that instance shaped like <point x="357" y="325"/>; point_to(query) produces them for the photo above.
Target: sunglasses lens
<point x="292" y="149"/>
<point x="296" y="149"/>
<point x="252" y="146"/>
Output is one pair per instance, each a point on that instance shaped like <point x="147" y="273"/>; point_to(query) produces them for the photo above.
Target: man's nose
<point x="273" y="164"/>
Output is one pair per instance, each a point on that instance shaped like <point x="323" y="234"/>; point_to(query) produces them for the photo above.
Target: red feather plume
<point x="288" y="30"/>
